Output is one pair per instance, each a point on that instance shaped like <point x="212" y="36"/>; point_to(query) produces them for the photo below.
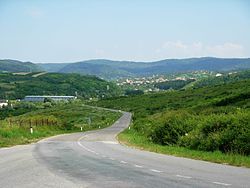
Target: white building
<point x="33" y="98"/>
<point x="3" y="103"/>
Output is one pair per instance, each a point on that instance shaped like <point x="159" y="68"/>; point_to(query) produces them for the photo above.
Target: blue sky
<point x="142" y="30"/>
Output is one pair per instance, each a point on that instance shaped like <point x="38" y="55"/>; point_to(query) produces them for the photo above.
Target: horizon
<point x="63" y="31"/>
<point x="126" y="60"/>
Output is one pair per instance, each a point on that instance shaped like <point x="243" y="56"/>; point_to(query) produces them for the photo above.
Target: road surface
<point x="96" y="159"/>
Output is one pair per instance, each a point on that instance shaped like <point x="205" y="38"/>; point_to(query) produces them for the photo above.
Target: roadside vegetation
<point x="209" y="123"/>
<point x="48" y="120"/>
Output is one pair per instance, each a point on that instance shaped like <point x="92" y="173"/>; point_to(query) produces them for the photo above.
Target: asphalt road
<point x="96" y="159"/>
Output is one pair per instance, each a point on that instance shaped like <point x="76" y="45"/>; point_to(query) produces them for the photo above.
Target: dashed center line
<point x="111" y="158"/>
<point x="123" y="162"/>
<point x="154" y="170"/>
<point x="138" y="166"/>
<point x="181" y="176"/>
<point x="220" y="183"/>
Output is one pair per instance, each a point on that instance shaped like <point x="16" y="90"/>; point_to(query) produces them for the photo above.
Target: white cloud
<point x="179" y="49"/>
<point x="227" y="50"/>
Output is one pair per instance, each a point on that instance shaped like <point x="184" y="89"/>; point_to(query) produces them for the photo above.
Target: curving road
<point x="96" y="159"/>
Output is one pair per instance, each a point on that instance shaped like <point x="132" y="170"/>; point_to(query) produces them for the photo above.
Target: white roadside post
<point x="81" y="128"/>
<point x="31" y="130"/>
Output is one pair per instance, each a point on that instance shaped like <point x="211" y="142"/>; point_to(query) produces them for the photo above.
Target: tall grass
<point x="69" y="117"/>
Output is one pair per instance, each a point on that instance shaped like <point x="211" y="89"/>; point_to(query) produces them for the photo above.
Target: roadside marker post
<point x="31" y="130"/>
<point x="81" y="128"/>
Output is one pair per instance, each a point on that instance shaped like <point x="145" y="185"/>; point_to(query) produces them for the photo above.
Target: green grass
<point x="134" y="139"/>
<point x="69" y="117"/>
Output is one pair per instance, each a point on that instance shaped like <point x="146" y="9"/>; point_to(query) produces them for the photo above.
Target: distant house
<point x="218" y="75"/>
<point x="34" y="98"/>
<point x="3" y="103"/>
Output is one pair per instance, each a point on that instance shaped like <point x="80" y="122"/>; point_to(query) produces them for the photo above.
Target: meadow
<point x="57" y="119"/>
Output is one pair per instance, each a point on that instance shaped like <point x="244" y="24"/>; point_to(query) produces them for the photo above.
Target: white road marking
<point x="108" y="142"/>
<point x="138" y="166"/>
<point x="154" y="170"/>
<point x="181" y="176"/>
<point x="111" y="158"/>
<point x="104" y="156"/>
<point x="89" y="150"/>
<point x="124" y="162"/>
<point x="220" y="183"/>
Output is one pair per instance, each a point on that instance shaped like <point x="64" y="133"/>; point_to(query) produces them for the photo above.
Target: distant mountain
<point x="116" y="69"/>
<point x="108" y="69"/>
<point x="52" y="67"/>
<point x="102" y="68"/>
<point x="8" y="65"/>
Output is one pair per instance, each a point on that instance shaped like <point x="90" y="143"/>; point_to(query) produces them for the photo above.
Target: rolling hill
<point x="13" y="86"/>
<point x="108" y="69"/>
<point x="8" y="65"/>
<point x="209" y="118"/>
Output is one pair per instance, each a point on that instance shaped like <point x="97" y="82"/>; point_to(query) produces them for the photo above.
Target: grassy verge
<point x="132" y="138"/>
<point x="59" y="119"/>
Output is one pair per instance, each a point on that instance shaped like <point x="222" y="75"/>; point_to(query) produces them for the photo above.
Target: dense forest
<point x="173" y="84"/>
<point x="16" y="86"/>
<point x="211" y="118"/>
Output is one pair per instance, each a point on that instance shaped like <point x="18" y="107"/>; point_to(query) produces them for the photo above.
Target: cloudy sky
<point x="142" y="30"/>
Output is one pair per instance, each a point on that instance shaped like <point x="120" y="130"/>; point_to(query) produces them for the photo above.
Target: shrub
<point x="224" y="132"/>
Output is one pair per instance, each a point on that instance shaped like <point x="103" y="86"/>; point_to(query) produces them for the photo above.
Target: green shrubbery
<point x="228" y="133"/>
<point x="56" y="119"/>
<point x="18" y="86"/>
<point x="215" y="118"/>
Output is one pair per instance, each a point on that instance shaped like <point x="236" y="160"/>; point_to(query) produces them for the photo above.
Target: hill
<point x="108" y="69"/>
<point x="223" y="79"/>
<point x="14" y="86"/>
<point x="8" y="65"/>
<point x="209" y="118"/>
<point x="52" y="67"/>
<point x="122" y="69"/>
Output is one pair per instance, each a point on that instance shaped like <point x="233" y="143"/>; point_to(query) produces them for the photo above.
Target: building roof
<point x="48" y="96"/>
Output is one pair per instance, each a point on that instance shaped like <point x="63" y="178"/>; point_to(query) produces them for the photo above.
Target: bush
<point x="174" y="125"/>
<point x="229" y="133"/>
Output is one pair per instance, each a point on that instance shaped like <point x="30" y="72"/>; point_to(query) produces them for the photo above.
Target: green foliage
<point x="228" y="78"/>
<point x="212" y="118"/>
<point x="57" y="119"/>
<point x="18" y="109"/>
<point x="18" y="86"/>
<point x="133" y="92"/>
<point x="173" y="84"/>
<point x="229" y="133"/>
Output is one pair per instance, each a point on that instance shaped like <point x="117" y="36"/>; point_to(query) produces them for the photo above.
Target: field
<point x="58" y="119"/>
